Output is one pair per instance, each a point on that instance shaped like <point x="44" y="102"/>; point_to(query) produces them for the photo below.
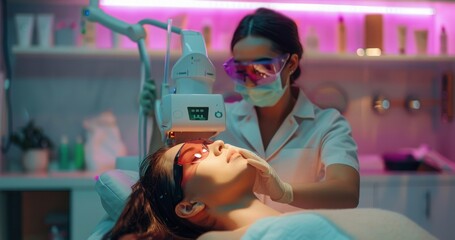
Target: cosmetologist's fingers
<point x="257" y="164"/>
<point x="248" y="154"/>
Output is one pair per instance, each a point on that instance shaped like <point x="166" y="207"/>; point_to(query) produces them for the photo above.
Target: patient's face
<point x="215" y="172"/>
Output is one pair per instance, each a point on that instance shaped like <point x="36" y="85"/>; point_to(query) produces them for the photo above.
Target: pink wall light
<point x="245" y="5"/>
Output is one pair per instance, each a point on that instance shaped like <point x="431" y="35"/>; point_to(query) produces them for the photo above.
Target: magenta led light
<point x="305" y="7"/>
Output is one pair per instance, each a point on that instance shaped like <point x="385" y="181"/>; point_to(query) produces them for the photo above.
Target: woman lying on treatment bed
<point x="202" y="189"/>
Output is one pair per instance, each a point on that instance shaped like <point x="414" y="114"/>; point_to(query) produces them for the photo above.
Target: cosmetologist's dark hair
<point x="150" y="210"/>
<point x="276" y="27"/>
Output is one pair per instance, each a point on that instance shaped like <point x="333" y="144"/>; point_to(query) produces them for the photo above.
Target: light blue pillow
<point x="114" y="188"/>
<point x="302" y="226"/>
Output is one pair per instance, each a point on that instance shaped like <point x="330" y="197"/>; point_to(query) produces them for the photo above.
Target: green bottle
<point x="63" y="154"/>
<point x="79" y="154"/>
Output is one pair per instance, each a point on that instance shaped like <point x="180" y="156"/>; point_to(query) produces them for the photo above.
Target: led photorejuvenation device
<point x="191" y="111"/>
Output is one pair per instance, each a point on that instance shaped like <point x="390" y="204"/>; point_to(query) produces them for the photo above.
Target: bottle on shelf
<point x="79" y="154"/>
<point x="115" y="40"/>
<point x="312" y="40"/>
<point x="88" y="31"/>
<point x="447" y="96"/>
<point x="443" y="41"/>
<point x="63" y="154"/>
<point x="374" y="34"/>
<point x="402" y="39"/>
<point x="207" y="33"/>
<point x="341" y="35"/>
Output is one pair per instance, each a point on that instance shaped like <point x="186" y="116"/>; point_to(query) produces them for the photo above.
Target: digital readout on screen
<point x="198" y="113"/>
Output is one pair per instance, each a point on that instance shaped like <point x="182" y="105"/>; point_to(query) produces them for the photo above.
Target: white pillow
<point x="114" y="188"/>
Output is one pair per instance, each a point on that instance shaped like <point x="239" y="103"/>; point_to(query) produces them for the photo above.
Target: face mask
<point x="266" y="95"/>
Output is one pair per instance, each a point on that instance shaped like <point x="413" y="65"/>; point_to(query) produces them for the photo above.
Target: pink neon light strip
<point x="305" y="7"/>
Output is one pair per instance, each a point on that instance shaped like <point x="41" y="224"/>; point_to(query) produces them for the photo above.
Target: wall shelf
<point x="384" y="58"/>
<point x="48" y="180"/>
<point x="218" y="55"/>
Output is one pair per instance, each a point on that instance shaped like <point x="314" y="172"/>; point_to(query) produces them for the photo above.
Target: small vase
<point x="35" y="160"/>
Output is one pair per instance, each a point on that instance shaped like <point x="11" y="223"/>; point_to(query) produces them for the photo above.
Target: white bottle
<point x="312" y="40"/>
<point x="207" y="33"/>
<point x="443" y="41"/>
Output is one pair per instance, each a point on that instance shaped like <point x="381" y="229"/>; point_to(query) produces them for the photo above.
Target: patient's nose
<point x="217" y="147"/>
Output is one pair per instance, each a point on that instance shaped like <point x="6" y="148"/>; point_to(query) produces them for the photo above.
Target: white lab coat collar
<point x="247" y="124"/>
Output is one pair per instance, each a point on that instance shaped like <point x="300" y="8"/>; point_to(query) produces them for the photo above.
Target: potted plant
<point x="35" y="145"/>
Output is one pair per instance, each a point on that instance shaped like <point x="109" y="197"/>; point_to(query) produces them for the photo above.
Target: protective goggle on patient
<point x="259" y="72"/>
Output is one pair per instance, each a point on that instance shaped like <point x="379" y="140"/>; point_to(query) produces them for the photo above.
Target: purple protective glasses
<point x="259" y="72"/>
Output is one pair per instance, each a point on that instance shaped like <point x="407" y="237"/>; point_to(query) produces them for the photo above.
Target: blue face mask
<point x="266" y="95"/>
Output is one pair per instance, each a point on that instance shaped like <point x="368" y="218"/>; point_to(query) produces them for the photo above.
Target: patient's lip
<point x="230" y="155"/>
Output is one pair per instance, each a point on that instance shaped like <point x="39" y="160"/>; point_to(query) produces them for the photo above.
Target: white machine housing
<point x="192" y="111"/>
<point x="203" y="113"/>
<point x="193" y="73"/>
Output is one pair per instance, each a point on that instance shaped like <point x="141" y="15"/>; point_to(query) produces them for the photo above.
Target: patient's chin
<point x="248" y="175"/>
<point x="244" y="177"/>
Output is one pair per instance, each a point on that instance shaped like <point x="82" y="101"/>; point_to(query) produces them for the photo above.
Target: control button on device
<point x="218" y="114"/>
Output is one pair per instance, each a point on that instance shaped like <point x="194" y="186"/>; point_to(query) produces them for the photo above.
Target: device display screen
<point x="198" y="113"/>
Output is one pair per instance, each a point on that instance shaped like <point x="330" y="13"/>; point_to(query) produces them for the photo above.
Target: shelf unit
<point x="132" y="53"/>
<point x="326" y="24"/>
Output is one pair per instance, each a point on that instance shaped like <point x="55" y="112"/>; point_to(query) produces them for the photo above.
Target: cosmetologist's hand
<point x="267" y="181"/>
<point x="147" y="97"/>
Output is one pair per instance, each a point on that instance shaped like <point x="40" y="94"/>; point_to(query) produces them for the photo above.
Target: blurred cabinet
<point x="366" y="199"/>
<point x="430" y="206"/>
<point x="30" y="202"/>
<point x="441" y="206"/>
<point x="426" y="199"/>
<point x="39" y="211"/>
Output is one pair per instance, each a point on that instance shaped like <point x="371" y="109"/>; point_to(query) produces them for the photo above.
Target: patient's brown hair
<point x="149" y="212"/>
